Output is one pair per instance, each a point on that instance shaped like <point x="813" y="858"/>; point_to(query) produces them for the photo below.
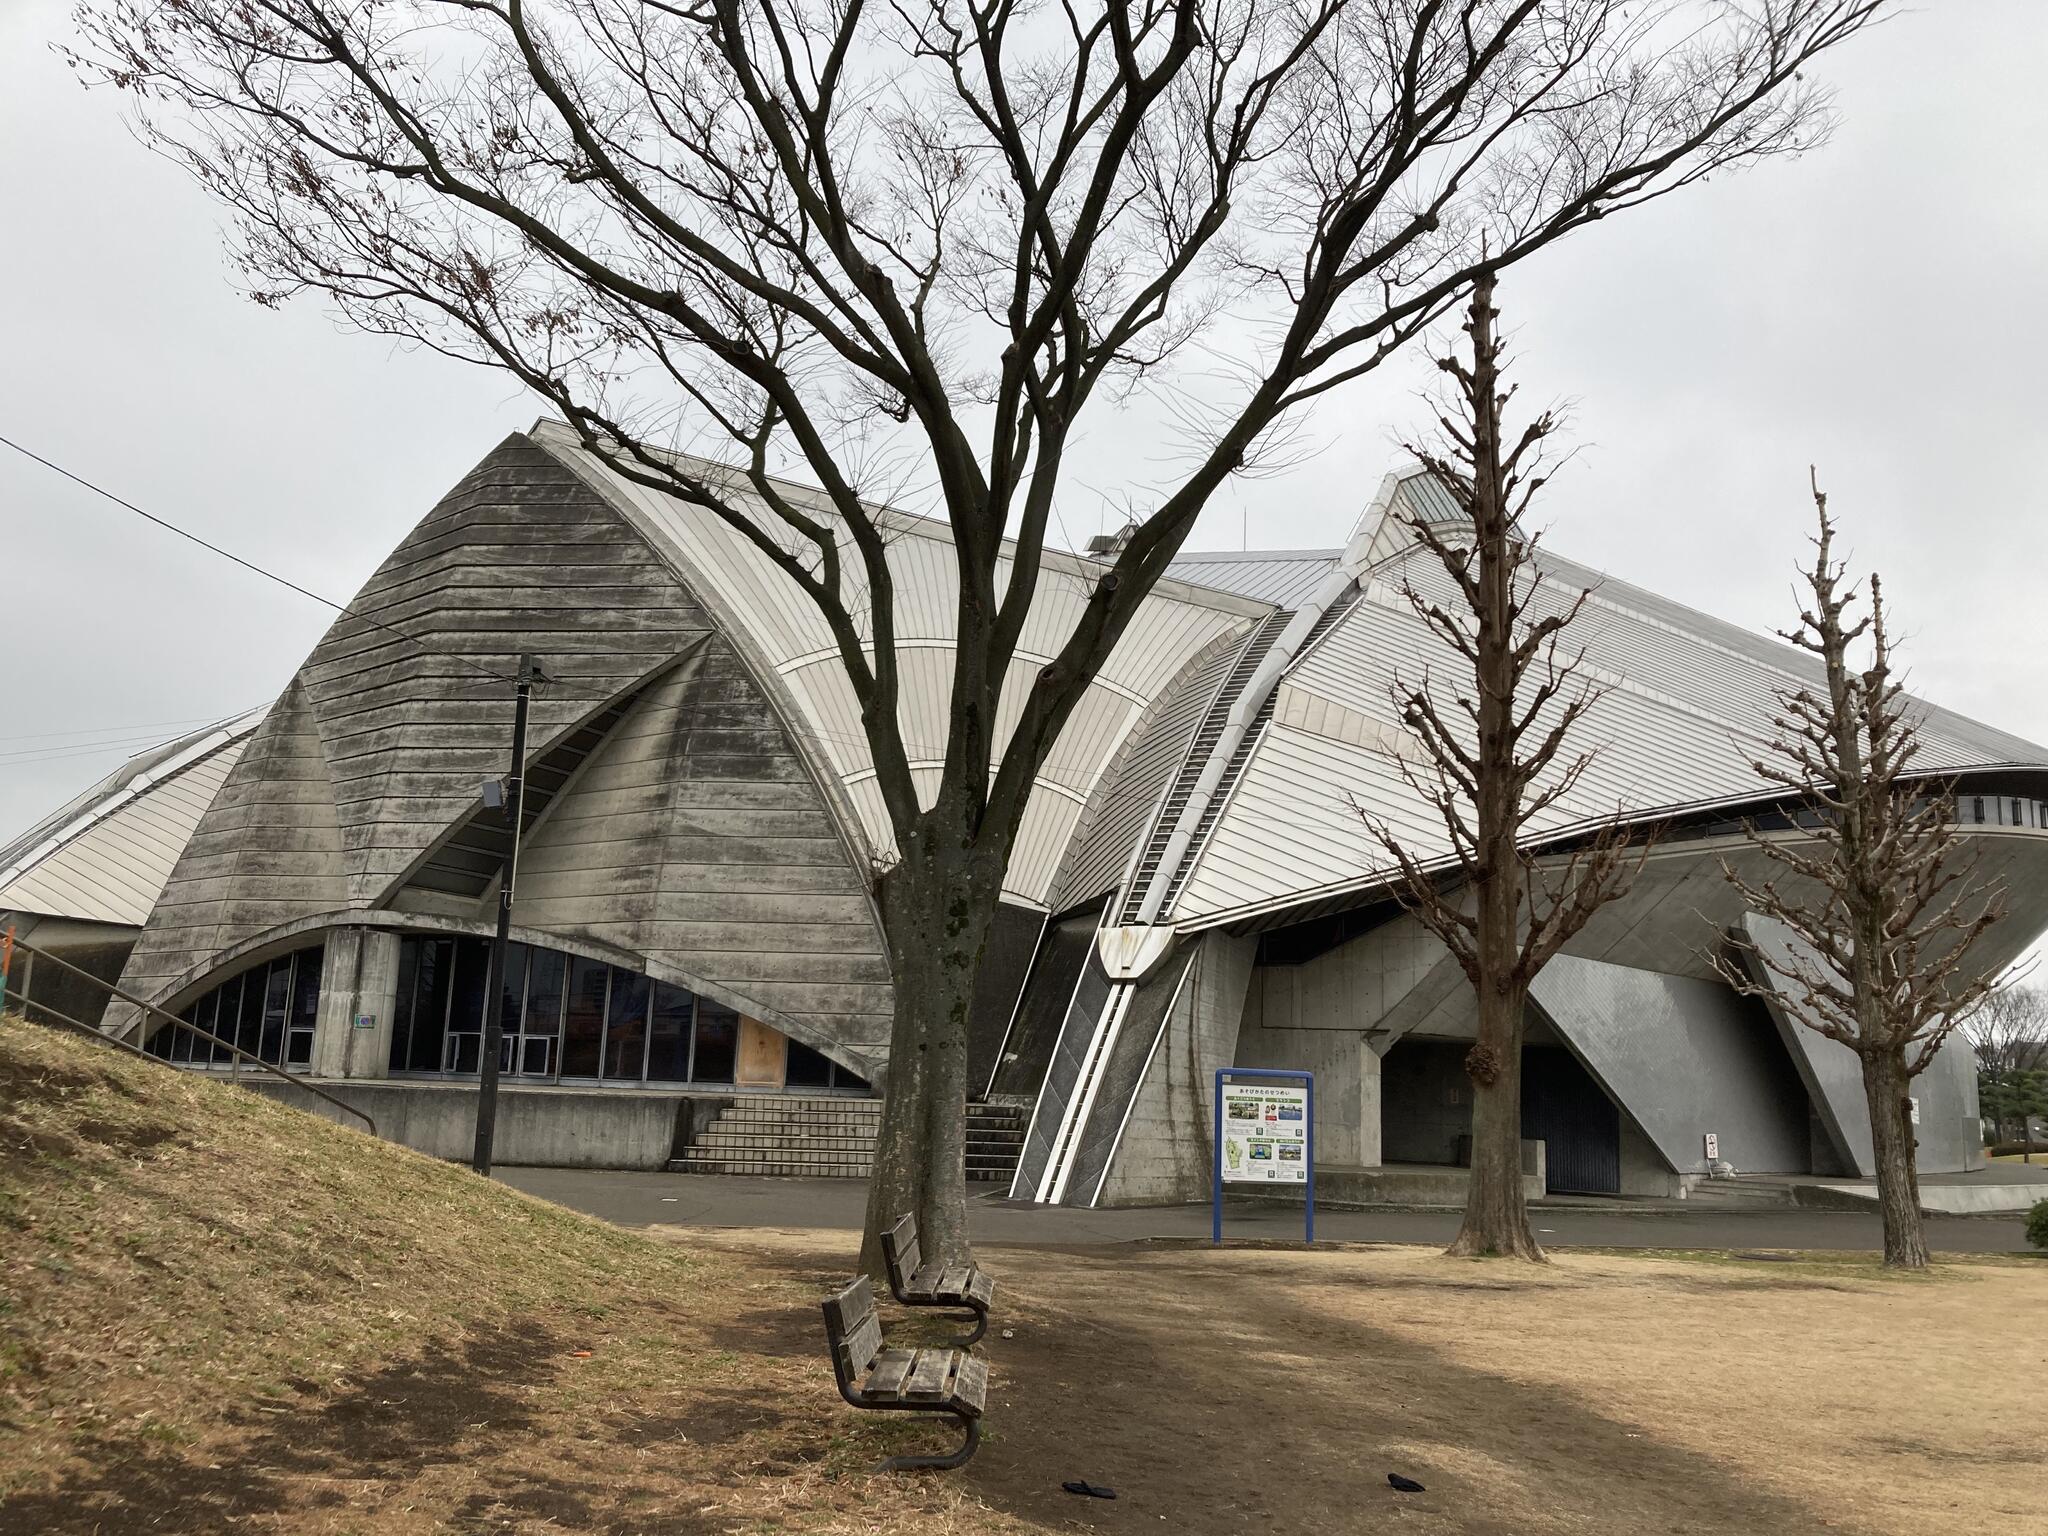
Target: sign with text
<point x="1265" y="1133"/>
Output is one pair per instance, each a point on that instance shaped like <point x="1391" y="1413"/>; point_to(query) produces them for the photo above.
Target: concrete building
<point x="699" y="973"/>
<point x="81" y="882"/>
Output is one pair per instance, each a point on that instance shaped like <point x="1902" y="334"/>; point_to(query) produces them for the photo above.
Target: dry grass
<point x="223" y="1315"/>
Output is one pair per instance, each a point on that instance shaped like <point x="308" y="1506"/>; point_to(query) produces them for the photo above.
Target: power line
<point x="116" y="730"/>
<point x="247" y="565"/>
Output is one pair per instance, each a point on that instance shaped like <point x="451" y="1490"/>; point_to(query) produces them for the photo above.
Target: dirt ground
<point x="218" y="1315"/>
<point x="1261" y="1389"/>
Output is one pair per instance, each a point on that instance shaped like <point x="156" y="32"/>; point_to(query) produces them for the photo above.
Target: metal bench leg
<point x="980" y="1327"/>
<point x="939" y="1463"/>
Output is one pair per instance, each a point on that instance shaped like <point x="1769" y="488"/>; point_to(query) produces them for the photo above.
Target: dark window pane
<point x="545" y="974"/>
<point x="299" y="1048"/>
<point x="182" y="1040"/>
<point x="1977" y="804"/>
<point x="513" y="988"/>
<point x="807" y="1068"/>
<point x="472" y="963"/>
<point x="430" y="1005"/>
<point x="216" y="1015"/>
<point x="845" y="1079"/>
<point x="583" y="1022"/>
<point x="401" y="1008"/>
<point x="306" y="988"/>
<point x="718" y="1042"/>
<point x="277" y="997"/>
<point x="668" y="1052"/>
<point x="249" y="1028"/>
<point x="463" y="1047"/>
<point x="625" y="1038"/>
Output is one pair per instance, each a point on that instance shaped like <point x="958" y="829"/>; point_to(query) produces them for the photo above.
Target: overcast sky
<point x="1876" y="309"/>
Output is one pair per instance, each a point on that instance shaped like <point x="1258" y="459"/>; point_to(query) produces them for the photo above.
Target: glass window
<point x="625" y="1037"/>
<point x="305" y="1006"/>
<point x="718" y="1043"/>
<point x="466" y="1005"/>
<point x="583" y="1019"/>
<point x="183" y="1040"/>
<point x="668" y="1046"/>
<point x="1977" y="807"/>
<point x="430" y="1005"/>
<point x="402" y="1001"/>
<point x="807" y="1068"/>
<point x="546" y="970"/>
<point x="277" y="999"/>
<point x="269" y="1010"/>
<point x="512" y="987"/>
<point x="249" y="1027"/>
<point x="2016" y="821"/>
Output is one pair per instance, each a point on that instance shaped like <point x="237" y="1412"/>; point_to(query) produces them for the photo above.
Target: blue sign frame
<point x="1307" y="1079"/>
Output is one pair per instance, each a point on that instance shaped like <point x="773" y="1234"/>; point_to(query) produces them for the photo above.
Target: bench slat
<point x="953" y="1279"/>
<point x="890" y="1369"/>
<point x="982" y="1288"/>
<point x="970" y="1387"/>
<point x="929" y="1375"/>
<point x="900" y="1247"/>
<point x="863" y="1344"/>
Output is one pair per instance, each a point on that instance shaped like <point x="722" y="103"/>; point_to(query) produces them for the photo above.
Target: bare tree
<point x="1495" y="761"/>
<point x="928" y="241"/>
<point x="2008" y="1031"/>
<point x="1874" y="881"/>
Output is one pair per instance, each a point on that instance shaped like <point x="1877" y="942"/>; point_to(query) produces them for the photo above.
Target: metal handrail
<point x="162" y="1013"/>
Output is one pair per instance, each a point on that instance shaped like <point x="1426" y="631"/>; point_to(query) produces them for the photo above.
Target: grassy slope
<point x="220" y="1307"/>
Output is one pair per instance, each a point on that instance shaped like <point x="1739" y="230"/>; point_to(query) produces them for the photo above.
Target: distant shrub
<point x="2037" y="1224"/>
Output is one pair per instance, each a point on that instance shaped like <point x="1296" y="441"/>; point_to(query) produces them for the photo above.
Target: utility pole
<point x="512" y="795"/>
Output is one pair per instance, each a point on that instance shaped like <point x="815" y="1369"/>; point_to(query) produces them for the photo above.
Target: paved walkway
<point x="696" y="1200"/>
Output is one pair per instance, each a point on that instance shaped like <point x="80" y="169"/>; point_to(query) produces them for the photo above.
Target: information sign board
<point x="1265" y="1133"/>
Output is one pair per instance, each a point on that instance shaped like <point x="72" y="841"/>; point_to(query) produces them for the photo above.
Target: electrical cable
<point x="247" y="565"/>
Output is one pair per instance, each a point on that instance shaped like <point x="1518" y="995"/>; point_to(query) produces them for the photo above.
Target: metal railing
<point x="171" y="1020"/>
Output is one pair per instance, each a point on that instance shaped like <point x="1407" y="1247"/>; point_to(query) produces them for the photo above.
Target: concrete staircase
<point x="790" y="1135"/>
<point x="816" y="1136"/>
<point x="995" y="1140"/>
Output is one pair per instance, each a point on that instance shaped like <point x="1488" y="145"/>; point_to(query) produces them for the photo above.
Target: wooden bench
<point x="946" y="1381"/>
<point x="915" y="1283"/>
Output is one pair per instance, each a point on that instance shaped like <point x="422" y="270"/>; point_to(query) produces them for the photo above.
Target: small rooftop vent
<point x="1112" y="543"/>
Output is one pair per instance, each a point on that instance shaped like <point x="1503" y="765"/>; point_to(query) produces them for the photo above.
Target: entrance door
<point x="1580" y="1127"/>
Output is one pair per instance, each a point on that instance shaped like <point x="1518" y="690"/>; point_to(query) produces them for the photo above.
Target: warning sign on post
<point x="1265" y="1134"/>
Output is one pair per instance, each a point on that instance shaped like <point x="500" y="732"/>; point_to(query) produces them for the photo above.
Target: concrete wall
<point x="1950" y="1133"/>
<point x="1168" y="1149"/>
<point x="1348" y="1082"/>
<point x="540" y="1127"/>
<point x="1683" y="1057"/>
<point x="99" y="949"/>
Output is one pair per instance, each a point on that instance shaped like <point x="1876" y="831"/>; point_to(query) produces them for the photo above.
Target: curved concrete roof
<point x="104" y="858"/>
<point x="790" y="638"/>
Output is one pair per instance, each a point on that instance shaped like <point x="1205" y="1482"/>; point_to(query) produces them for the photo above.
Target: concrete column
<point x="358" y="993"/>
<point x="1370" y="1151"/>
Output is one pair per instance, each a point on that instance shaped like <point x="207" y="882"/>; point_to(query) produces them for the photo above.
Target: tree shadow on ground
<point x="1223" y="1398"/>
<point x="330" y="1450"/>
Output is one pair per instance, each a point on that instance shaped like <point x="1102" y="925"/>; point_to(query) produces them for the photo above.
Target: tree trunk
<point x="1496" y="1216"/>
<point x="1885" y="1087"/>
<point x="937" y="908"/>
